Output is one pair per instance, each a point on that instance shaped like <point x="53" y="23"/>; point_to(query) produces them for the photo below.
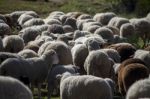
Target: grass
<point x="44" y="8"/>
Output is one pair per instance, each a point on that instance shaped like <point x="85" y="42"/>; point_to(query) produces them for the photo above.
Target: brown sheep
<point x="130" y="71"/>
<point x="125" y="50"/>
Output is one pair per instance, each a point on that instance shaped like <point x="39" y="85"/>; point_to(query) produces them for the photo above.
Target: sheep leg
<point x="39" y="91"/>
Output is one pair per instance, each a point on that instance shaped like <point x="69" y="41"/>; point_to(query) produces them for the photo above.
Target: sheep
<point x="16" y="14"/>
<point x="6" y="55"/>
<point x="79" y="33"/>
<point x="51" y="21"/>
<point x="43" y="47"/>
<point x="4" y="29"/>
<point x="142" y="28"/>
<point x="127" y="30"/>
<point x="106" y="34"/>
<point x="125" y="50"/>
<point x="84" y="16"/>
<point x="115" y="30"/>
<point x="113" y="54"/>
<point x="92" y="44"/>
<point x="27" y="53"/>
<point x="33" y="47"/>
<point x="63" y="51"/>
<point x="29" y="34"/>
<point x="68" y="28"/>
<point x="98" y="64"/>
<point x="71" y="22"/>
<point x="79" y="54"/>
<point x="33" y="22"/>
<point x="86" y="25"/>
<point x="35" y="70"/>
<point x="128" y="70"/>
<point x="74" y="14"/>
<point x="93" y="28"/>
<point x="132" y="73"/>
<point x="55" y="28"/>
<point x="13" y="43"/>
<point x="23" y="18"/>
<point x="139" y="90"/>
<point x="104" y="18"/>
<point x="143" y="55"/>
<point x="81" y="22"/>
<point x="12" y="88"/>
<point x="79" y="87"/>
<point x="9" y="20"/>
<point x="118" y="22"/>
<point x="53" y="83"/>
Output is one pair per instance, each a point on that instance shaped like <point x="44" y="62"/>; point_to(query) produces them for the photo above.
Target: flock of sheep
<point x="77" y="55"/>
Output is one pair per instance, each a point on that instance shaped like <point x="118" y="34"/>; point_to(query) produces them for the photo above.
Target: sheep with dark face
<point x="139" y="90"/>
<point x="98" y="64"/>
<point x="79" y="87"/>
<point x="53" y="82"/>
<point x="130" y="71"/>
<point x="125" y="50"/>
<point x="11" y="88"/>
<point x="13" y="43"/>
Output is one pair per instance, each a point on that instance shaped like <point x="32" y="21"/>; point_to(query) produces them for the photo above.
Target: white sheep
<point x="144" y="56"/>
<point x="104" y="18"/>
<point x="63" y="51"/>
<point x="53" y="82"/>
<point x="117" y="22"/>
<point x="139" y="90"/>
<point x="33" y="22"/>
<point x="13" y="43"/>
<point x="27" y="53"/>
<point x="23" y="18"/>
<point x="79" y="54"/>
<point x="127" y="30"/>
<point x="29" y="34"/>
<point x="11" y="88"/>
<point x="98" y="64"/>
<point x="84" y="87"/>
<point x="106" y="34"/>
<point x="35" y="70"/>
<point x="142" y="28"/>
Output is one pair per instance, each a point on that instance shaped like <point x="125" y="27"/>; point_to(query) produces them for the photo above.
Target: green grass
<point x="44" y="8"/>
